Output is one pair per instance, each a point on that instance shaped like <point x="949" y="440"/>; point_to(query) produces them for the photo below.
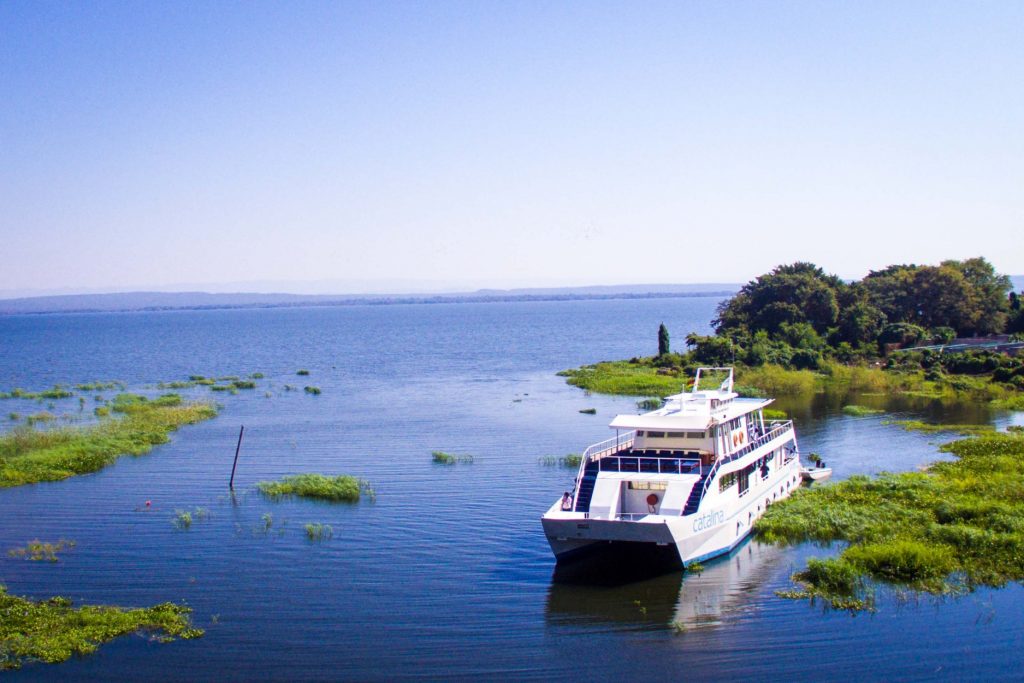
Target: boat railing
<point x="633" y="516"/>
<point x="774" y="429"/>
<point x="602" y="448"/>
<point x="656" y="465"/>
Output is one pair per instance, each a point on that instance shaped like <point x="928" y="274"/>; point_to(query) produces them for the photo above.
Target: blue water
<point x="446" y="575"/>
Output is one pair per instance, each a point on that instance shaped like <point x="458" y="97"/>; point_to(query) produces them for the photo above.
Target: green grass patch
<point x="954" y="528"/>
<point x="29" y="455"/>
<point x="444" y="458"/>
<point x="625" y="378"/>
<point x="929" y="428"/>
<point x="54" y="630"/>
<point x="315" y="391"/>
<point x="571" y="461"/>
<point x="319" y="532"/>
<point x="649" y="403"/>
<point x="341" y="488"/>
<point x="861" y="411"/>
<point x="775" y="414"/>
<point x="302" y="373"/>
<point x="39" y="551"/>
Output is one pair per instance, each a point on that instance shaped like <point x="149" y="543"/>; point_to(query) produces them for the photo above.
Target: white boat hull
<point x="698" y="537"/>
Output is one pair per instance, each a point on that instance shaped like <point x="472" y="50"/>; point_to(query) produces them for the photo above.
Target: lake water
<point x="447" y="574"/>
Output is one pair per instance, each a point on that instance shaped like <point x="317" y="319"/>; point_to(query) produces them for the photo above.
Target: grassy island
<point x="341" y="488"/>
<point x="949" y="530"/>
<point x="29" y="455"/>
<point x="53" y="630"/>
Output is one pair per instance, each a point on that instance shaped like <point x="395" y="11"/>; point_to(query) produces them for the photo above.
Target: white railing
<point x="595" y="451"/>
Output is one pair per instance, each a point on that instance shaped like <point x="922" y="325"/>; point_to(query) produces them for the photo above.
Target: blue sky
<point x="375" y="146"/>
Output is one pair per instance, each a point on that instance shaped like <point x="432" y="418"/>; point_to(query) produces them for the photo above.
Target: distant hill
<point x="152" y="301"/>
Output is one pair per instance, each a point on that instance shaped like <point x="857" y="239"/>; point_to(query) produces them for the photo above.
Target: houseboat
<point x="687" y="480"/>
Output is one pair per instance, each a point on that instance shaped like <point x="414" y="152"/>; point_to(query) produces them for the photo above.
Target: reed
<point x="39" y="551"/>
<point x="319" y="532"/>
<point x="54" y="630"/>
<point x="443" y="458"/>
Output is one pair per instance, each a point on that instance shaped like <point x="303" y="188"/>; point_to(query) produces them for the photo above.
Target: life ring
<point x="735" y="439"/>
<point x="742" y="437"/>
<point x="652" y="499"/>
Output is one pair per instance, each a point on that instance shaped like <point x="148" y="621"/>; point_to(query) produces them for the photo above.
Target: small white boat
<point x="815" y="473"/>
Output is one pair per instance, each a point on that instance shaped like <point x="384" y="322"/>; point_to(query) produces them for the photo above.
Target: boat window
<point x="726" y="481"/>
<point x="744" y="479"/>
<point x="648" y="485"/>
<point x="656" y="435"/>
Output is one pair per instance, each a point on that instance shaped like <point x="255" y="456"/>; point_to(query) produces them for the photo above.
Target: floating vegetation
<point x="256" y="375"/>
<point x="312" y="390"/>
<point x="918" y="426"/>
<point x="228" y="378"/>
<point x="101" y="386"/>
<point x="57" y="392"/>
<point x="589" y="411"/>
<point x="443" y="458"/>
<point x="13" y="417"/>
<point x="774" y="414"/>
<point x="43" y="416"/>
<point x="341" y="488"/>
<point x="649" y="404"/>
<point x="28" y="455"/>
<point x="572" y="460"/>
<point x="38" y="551"/>
<point x="221" y="387"/>
<point x="302" y="372"/>
<point x="861" y="411"/>
<point x="954" y="528"/>
<point x="319" y="532"/>
<point x="101" y="411"/>
<point x="182" y="519"/>
<point x="243" y="384"/>
<point x="53" y="630"/>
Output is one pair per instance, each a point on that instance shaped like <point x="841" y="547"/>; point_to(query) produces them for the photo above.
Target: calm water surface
<point x="447" y="574"/>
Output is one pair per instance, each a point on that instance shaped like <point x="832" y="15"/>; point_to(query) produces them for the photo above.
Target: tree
<point x="663" y="342"/>
<point x="988" y="290"/>
<point x="796" y="293"/>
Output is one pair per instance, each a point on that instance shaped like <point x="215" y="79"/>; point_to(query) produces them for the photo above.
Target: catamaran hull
<point x="696" y="538"/>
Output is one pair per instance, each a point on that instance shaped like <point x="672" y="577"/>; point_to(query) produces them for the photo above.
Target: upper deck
<point x="696" y="411"/>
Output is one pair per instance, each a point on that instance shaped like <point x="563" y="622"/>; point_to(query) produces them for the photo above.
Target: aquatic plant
<point x="443" y="458"/>
<point x="774" y="414"/>
<point x="954" y="528"/>
<point x="861" y="411"/>
<point x="649" y="404"/>
<point x="256" y="375"/>
<point x="54" y="630"/>
<point x="927" y="427"/>
<point x="43" y="416"/>
<point x="243" y="384"/>
<point x="572" y="460"/>
<point x="182" y="519"/>
<point x="101" y="411"/>
<point x="37" y="550"/>
<point x="315" y="391"/>
<point x="319" y="532"/>
<point x="100" y="386"/>
<point x="341" y="488"/>
<point x="13" y="417"/>
<point x="589" y="411"/>
<point x="29" y="455"/>
<point x="302" y="372"/>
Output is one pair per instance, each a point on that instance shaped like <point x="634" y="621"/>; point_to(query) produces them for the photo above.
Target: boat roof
<point x="694" y="410"/>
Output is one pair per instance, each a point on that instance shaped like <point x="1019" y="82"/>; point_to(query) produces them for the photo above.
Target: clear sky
<point x="388" y="144"/>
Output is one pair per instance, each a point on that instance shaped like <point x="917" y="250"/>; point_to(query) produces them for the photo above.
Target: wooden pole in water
<point x="231" y="484"/>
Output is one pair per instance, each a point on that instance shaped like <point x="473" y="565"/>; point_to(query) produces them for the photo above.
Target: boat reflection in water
<point x="646" y="592"/>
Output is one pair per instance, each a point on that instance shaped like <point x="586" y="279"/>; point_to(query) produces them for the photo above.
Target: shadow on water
<point x="625" y="589"/>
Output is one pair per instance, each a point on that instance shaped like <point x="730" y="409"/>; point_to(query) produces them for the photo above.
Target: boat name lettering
<point x="708" y="520"/>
